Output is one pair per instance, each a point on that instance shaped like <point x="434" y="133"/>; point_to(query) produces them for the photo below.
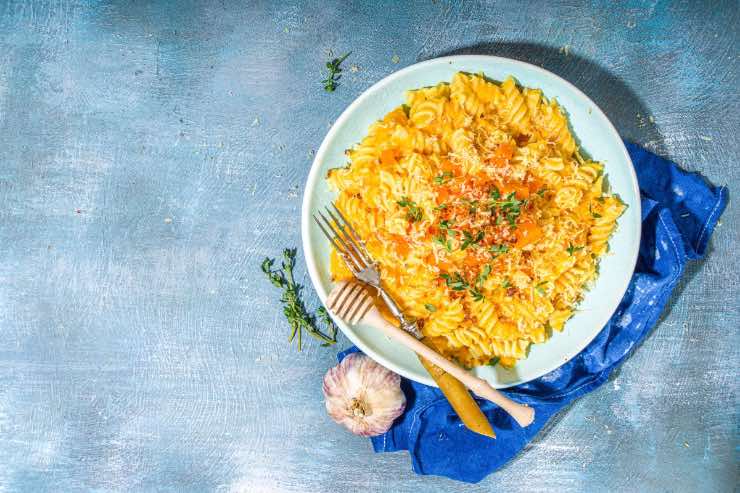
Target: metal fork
<point x="352" y="249"/>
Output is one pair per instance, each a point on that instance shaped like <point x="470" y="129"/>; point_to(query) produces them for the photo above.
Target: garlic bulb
<point x="363" y="396"/>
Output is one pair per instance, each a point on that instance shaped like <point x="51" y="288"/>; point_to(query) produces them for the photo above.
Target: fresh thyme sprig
<point x="414" y="212"/>
<point x="444" y="232"/>
<point x="293" y="307"/>
<point x="469" y="239"/>
<point x="509" y="207"/>
<point x="335" y="73"/>
<point x="457" y="282"/>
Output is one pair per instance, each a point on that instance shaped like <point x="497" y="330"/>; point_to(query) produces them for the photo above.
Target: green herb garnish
<point x="430" y="308"/>
<point x="479" y="280"/>
<point x="335" y="73"/>
<point x="475" y="293"/>
<point x="493" y="361"/>
<point x="441" y="207"/>
<point x="414" y="212"/>
<point x="506" y="284"/>
<point x="445" y="226"/>
<point x="593" y="214"/>
<point x="548" y="329"/>
<point x="572" y="249"/>
<point x="442" y="240"/>
<point x="439" y="180"/>
<point x="455" y="282"/>
<point x="472" y="205"/>
<point x="541" y="192"/>
<point x="496" y="250"/>
<point x="509" y="208"/>
<point x="483" y="275"/>
<point x="539" y="289"/>
<point x="293" y="307"/>
<point x="469" y="239"/>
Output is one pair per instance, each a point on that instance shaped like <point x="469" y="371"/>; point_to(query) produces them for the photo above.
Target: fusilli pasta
<point x="485" y="219"/>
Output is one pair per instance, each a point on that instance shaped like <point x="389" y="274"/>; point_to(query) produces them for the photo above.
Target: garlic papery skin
<point x="363" y="396"/>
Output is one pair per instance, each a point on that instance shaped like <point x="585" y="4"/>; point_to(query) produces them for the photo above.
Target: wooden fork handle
<point x="524" y="415"/>
<point x="461" y="400"/>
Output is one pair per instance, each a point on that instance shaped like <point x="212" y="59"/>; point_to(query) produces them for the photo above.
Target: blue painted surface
<point x="152" y="155"/>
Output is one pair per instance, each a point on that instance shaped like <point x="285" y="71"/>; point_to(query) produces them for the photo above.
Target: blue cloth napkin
<point x="679" y="213"/>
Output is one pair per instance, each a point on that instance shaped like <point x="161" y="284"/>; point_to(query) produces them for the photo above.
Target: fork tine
<point x="356" y="245"/>
<point x="348" y="258"/>
<point x="345" y="251"/>
<point x="355" y="236"/>
<point x="328" y="235"/>
<point x="338" y="248"/>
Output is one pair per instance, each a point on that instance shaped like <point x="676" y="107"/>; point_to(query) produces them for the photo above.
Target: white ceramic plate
<point x="596" y="135"/>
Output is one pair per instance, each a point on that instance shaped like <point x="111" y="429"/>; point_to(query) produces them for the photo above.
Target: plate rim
<point x="314" y="175"/>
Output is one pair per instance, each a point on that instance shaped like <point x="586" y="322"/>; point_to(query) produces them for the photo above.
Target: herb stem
<point x="335" y="72"/>
<point x="294" y="309"/>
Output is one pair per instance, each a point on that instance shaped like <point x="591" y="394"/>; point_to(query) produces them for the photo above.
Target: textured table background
<point x="151" y="156"/>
